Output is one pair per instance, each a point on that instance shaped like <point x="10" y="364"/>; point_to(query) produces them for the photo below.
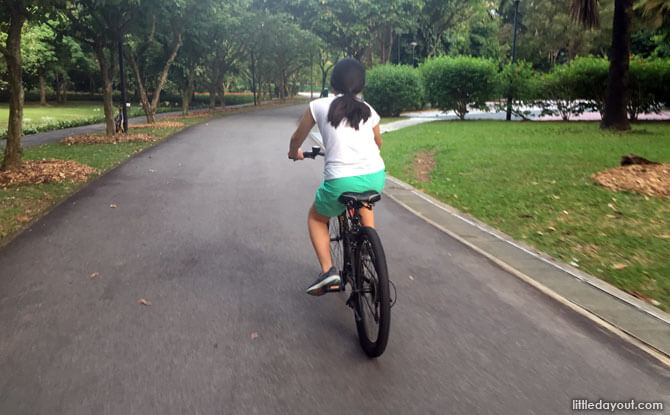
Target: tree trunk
<point x="222" y="95"/>
<point x="43" y="91"/>
<point x="617" y="85"/>
<point x="163" y="78"/>
<point x="144" y="99"/>
<point x="188" y="92"/>
<point x="12" y="53"/>
<point x="91" y="86"/>
<point x="107" y="91"/>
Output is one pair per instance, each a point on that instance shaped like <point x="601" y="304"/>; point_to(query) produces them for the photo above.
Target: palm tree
<point x="586" y="12"/>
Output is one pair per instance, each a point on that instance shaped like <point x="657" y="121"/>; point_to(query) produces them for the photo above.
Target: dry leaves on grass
<point x="422" y="166"/>
<point x="650" y="179"/>
<point x="144" y="302"/>
<point x="46" y="171"/>
<point x="107" y="139"/>
<point x="161" y="124"/>
<point x="187" y="117"/>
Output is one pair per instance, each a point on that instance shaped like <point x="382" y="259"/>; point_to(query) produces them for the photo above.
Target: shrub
<point x="588" y="77"/>
<point x="646" y="87"/>
<point x="518" y="80"/>
<point x="456" y="83"/>
<point x="391" y="89"/>
<point x="557" y="89"/>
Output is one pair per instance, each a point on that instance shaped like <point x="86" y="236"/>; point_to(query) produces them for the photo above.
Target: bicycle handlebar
<point x="316" y="151"/>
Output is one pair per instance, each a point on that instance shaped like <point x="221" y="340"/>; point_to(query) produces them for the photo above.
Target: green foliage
<point x="588" y="78"/>
<point x="648" y="86"/>
<point x="519" y="81"/>
<point x="391" y="89"/>
<point x="459" y="83"/>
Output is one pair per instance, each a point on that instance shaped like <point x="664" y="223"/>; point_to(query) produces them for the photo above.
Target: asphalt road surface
<point x="210" y="228"/>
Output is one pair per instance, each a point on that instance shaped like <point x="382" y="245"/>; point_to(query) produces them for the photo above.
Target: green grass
<point x="34" y="115"/>
<point x="532" y="181"/>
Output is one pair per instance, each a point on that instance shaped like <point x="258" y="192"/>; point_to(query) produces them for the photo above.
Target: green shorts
<point x="326" y="202"/>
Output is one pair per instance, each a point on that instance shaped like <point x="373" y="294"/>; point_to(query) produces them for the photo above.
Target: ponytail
<point x="350" y="108"/>
<point x="348" y="77"/>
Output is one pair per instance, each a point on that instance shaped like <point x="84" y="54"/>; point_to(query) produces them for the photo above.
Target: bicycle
<point x="357" y="251"/>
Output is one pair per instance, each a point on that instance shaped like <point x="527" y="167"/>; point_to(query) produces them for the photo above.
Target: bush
<point x="558" y="93"/>
<point x="391" y="89"/>
<point x="518" y="80"/>
<point x="646" y="88"/>
<point x="456" y="83"/>
<point x="588" y="78"/>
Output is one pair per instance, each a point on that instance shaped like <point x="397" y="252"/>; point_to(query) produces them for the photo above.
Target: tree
<point x="225" y="46"/>
<point x="13" y="14"/>
<point x="100" y="24"/>
<point x="616" y="98"/>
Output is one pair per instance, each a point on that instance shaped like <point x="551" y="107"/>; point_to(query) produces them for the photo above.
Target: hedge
<point x="458" y="83"/>
<point x="391" y="89"/>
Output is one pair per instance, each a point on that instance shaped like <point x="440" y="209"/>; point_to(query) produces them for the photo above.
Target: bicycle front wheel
<point x="372" y="305"/>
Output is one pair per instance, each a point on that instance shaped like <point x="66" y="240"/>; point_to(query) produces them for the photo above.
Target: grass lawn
<point x="532" y="181"/>
<point x="35" y="115"/>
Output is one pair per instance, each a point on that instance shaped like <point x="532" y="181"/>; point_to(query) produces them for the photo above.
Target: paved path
<point x="210" y="227"/>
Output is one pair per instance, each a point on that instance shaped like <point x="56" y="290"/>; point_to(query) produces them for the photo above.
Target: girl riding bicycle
<point x="350" y="131"/>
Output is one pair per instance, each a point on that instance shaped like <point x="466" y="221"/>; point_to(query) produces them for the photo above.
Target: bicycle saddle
<point x="366" y="197"/>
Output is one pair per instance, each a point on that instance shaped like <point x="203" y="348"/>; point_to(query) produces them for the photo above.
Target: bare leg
<point x="367" y="217"/>
<point x="318" y="232"/>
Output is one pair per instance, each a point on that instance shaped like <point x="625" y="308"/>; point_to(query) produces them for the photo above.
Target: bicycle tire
<point x="336" y="247"/>
<point x="372" y="303"/>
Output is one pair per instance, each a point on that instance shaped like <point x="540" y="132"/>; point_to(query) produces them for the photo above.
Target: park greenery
<point x="533" y="182"/>
<point x="276" y="47"/>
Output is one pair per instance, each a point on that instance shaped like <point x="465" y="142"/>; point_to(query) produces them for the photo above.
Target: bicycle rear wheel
<point x="336" y="250"/>
<point x="372" y="304"/>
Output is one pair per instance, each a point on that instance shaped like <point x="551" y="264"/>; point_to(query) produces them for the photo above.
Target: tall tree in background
<point x="99" y="24"/>
<point x="586" y="12"/>
<point x="13" y="15"/>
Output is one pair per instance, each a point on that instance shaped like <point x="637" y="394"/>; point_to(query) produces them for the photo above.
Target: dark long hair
<point x="348" y="78"/>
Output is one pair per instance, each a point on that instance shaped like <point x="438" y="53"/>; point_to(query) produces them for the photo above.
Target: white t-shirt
<point x="349" y="152"/>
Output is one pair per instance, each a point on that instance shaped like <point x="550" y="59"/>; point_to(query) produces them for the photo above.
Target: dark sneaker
<point x="327" y="282"/>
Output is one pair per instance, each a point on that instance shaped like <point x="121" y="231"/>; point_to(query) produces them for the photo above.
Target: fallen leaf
<point x="619" y="266"/>
<point x="608" y="216"/>
<point x="411" y="278"/>
<point x="611" y="206"/>
<point x="152" y="171"/>
<point x="556" y="197"/>
<point x="23" y="219"/>
<point x="666" y="236"/>
<point x="540" y="233"/>
<point x="144" y="302"/>
<point x="95" y="274"/>
<point x="551" y="228"/>
<point x="565" y="212"/>
<point x="422" y="190"/>
<point x="113" y="206"/>
<point x="254" y="336"/>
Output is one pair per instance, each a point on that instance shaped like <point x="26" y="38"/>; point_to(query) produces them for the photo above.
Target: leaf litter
<point x="647" y="179"/>
<point x="108" y="139"/>
<point x="46" y="171"/>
